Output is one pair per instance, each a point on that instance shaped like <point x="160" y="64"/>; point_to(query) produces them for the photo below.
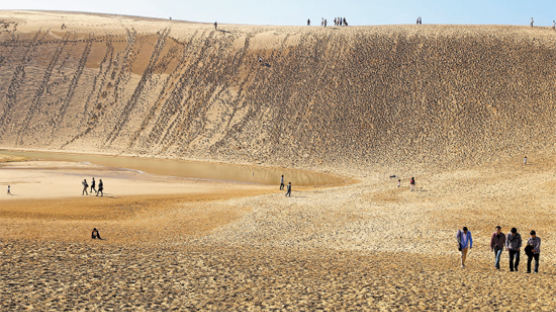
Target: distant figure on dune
<point x="95" y="234"/>
<point x="533" y="251"/>
<point x="465" y="242"/>
<point x="345" y="22"/>
<point x="412" y="184"/>
<point x="9" y="192"/>
<point x="419" y="20"/>
<point x="100" y="188"/>
<point x="85" y="186"/>
<point x="497" y="243"/>
<point x="289" y="190"/>
<point x="399" y="182"/>
<point x="282" y="183"/>
<point x="215" y="26"/>
<point x="93" y="188"/>
<point x="532" y="22"/>
<point x="513" y="244"/>
<point x="308" y="22"/>
<point x="525" y="160"/>
<point x="553" y="24"/>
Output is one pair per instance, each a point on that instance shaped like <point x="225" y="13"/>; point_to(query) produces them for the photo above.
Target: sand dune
<point x="434" y="94"/>
<point x="455" y="106"/>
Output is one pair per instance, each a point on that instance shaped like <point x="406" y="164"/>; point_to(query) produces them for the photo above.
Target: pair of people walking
<point x="288" y="189"/>
<point x="512" y="242"/>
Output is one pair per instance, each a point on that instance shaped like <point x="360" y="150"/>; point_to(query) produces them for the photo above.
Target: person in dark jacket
<point x="93" y="186"/>
<point x="100" y="188"/>
<point x="289" y="190"/>
<point x="513" y="244"/>
<point x="497" y="243"/>
<point x="534" y="244"/>
<point x="95" y="234"/>
<point x="282" y="183"/>
<point x="85" y="186"/>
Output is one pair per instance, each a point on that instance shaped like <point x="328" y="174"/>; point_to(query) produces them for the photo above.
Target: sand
<point x="457" y="107"/>
<point x="367" y="246"/>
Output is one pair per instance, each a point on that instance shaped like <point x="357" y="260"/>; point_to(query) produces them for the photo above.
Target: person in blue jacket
<point x="465" y="242"/>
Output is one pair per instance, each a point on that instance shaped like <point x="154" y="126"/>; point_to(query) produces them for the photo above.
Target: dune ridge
<point x="447" y="95"/>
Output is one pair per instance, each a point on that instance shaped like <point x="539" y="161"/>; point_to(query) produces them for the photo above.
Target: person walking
<point x="93" y="186"/>
<point x="553" y="24"/>
<point x="85" y="186"/>
<point x="399" y="182"/>
<point x="465" y="242"/>
<point x="412" y="184"/>
<point x="9" y="192"/>
<point x="513" y="244"/>
<point x="100" y="188"/>
<point x="289" y="190"/>
<point x="533" y="251"/>
<point x="215" y="26"/>
<point x="282" y="183"/>
<point x="497" y="243"/>
<point x="308" y="22"/>
<point x="532" y="22"/>
<point x="525" y="160"/>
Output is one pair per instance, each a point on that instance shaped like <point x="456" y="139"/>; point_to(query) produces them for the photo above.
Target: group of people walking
<point x="498" y="242"/>
<point x="340" y="21"/>
<point x="93" y="187"/>
<point x="288" y="189"/>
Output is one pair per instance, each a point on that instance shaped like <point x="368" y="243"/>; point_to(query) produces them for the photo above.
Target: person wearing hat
<point x="534" y="251"/>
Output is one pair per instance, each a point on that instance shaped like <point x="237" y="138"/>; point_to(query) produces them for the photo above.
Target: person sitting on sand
<point x="95" y="234"/>
<point x="412" y="184"/>
<point x="289" y="190"/>
<point x="85" y="186"/>
<point x="100" y="188"/>
<point x="465" y="242"/>
<point x="533" y="251"/>
<point x="93" y="188"/>
<point x="282" y="183"/>
<point x="513" y="244"/>
<point x="497" y="243"/>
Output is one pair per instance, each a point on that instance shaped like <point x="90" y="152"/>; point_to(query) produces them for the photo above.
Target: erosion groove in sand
<point x="336" y="96"/>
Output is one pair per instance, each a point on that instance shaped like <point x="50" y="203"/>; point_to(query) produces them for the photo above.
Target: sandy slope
<point x="339" y="97"/>
<point x="455" y="106"/>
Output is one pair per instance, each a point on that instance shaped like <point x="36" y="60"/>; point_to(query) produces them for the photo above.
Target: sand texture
<point x="344" y="97"/>
<point x="203" y="227"/>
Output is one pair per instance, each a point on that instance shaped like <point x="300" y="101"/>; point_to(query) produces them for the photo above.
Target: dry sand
<point x="455" y="106"/>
